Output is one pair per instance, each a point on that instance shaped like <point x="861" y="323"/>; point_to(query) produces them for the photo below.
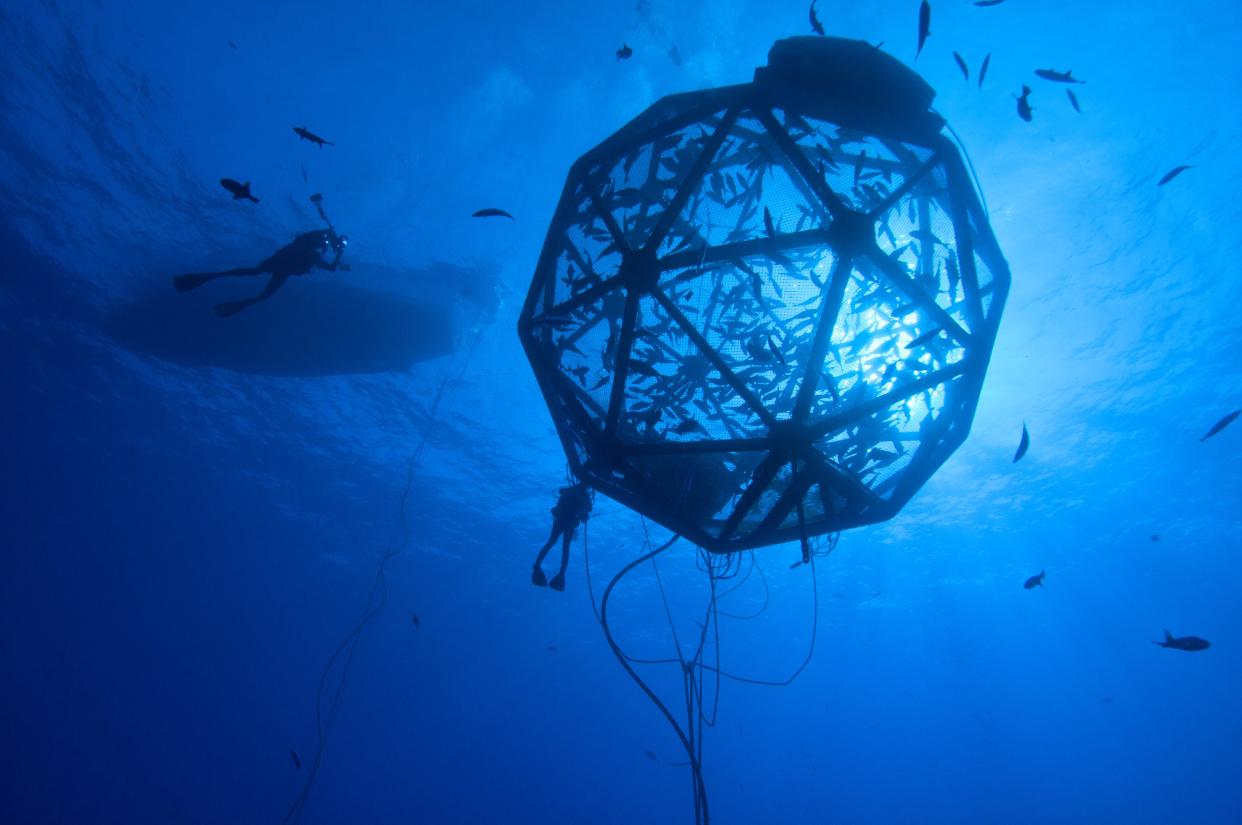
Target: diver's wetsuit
<point x="298" y="258"/>
<point x="572" y="508"/>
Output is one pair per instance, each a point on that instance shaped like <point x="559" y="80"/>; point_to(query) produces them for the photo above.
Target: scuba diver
<point x="573" y="507"/>
<point x="305" y="253"/>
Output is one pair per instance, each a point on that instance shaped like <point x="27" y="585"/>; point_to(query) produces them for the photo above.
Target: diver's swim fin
<point x="192" y="280"/>
<point x="537" y="578"/>
<point x="231" y="308"/>
<point x="558" y="582"/>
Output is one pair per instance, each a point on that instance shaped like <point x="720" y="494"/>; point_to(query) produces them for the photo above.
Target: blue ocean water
<point x="185" y="545"/>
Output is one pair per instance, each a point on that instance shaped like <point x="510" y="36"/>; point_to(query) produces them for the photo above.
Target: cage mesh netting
<point x="766" y="310"/>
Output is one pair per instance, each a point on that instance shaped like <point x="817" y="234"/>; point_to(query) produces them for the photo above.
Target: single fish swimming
<point x="986" y="3"/>
<point x="1172" y="173"/>
<point x="625" y="52"/>
<point x="688" y="426"/>
<point x="754" y="348"/>
<point x="554" y="321"/>
<point x="1073" y="98"/>
<point x="238" y="190"/>
<point x="417" y="622"/>
<point x="776" y="351"/>
<point x="306" y="134"/>
<point x="1222" y="424"/>
<point x="924" y="26"/>
<point x="1024" y="104"/>
<point x="643" y="368"/>
<point x="1058" y="77"/>
<point x="983" y="69"/>
<point x="925" y="338"/>
<point x="493" y="213"/>
<point x="816" y="26"/>
<point x="1187" y="643"/>
<point x="1034" y="581"/>
<point x="297" y="760"/>
<point x="961" y="64"/>
<point x="1023" y="445"/>
<point x="882" y="454"/>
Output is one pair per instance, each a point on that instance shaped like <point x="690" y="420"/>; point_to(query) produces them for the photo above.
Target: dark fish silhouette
<point x="767" y="222"/>
<point x="754" y="348"/>
<point x="882" y="454"/>
<point x="688" y="426"/>
<point x="238" y="190"/>
<point x="961" y="64"/>
<point x="493" y="213"/>
<point x="796" y="565"/>
<point x="232" y="45"/>
<point x="651" y="756"/>
<point x="1222" y="424"/>
<point x="1155" y="537"/>
<point x="625" y="52"/>
<point x="925" y="338"/>
<point x="1058" y="77"/>
<point x="1024" y="104"/>
<point x="986" y="3"/>
<point x="1023" y="445"/>
<point x="924" y="26"/>
<point x="1187" y="643"/>
<point x="417" y="621"/>
<point x="858" y="166"/>
<point x="643" y="368"/>
<point x="306" y="134"/>
<point x="297" y="760"/>
<point x="983" y="69"/>
<point x="1172" y="173"/>
<point x="772" y="346"/>
<point x="550" y="648"/>
<point x="554" y="321"/>
<point x="816" y="26"/>
<point x="1073" y="100"/>
<point x="1034" y="581"/>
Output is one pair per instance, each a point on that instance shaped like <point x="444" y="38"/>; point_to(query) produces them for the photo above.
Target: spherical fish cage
<point x="765" y="311"/>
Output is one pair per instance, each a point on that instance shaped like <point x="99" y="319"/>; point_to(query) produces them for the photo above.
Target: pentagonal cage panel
<point x="766" y="311"/>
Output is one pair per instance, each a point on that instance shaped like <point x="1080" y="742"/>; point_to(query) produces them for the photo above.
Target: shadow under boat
<point x="314" y="326"/>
